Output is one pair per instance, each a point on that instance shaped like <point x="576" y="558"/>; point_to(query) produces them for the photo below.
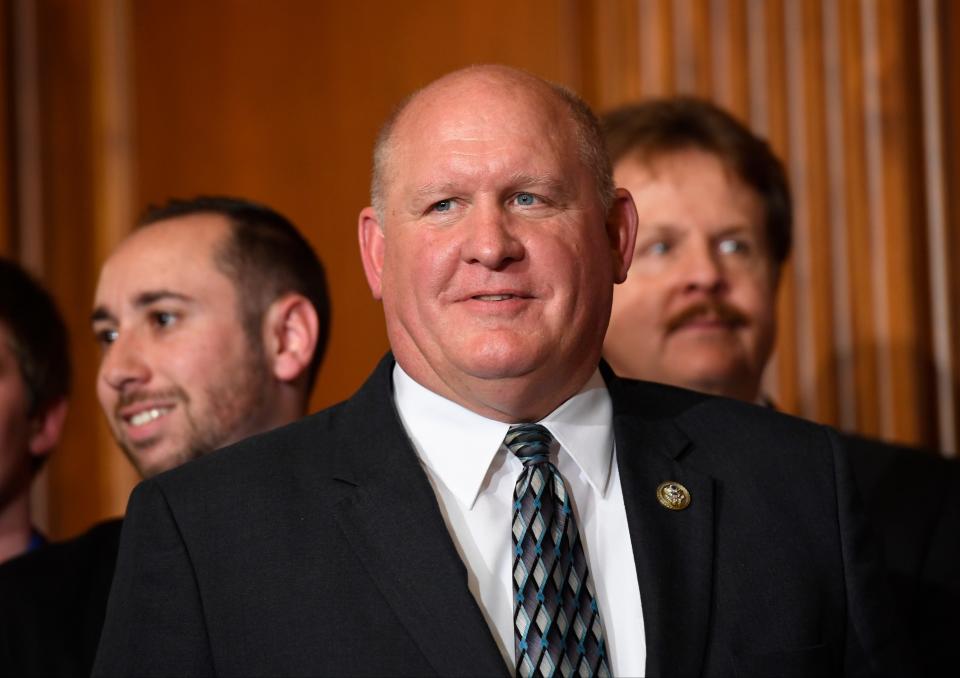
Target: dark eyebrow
<point x="150" y="297"/>
<point x="100" y="313"/>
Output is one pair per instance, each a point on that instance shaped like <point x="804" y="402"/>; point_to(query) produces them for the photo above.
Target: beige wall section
<point x="280" y="101"/>
<point x="868" y="328"/>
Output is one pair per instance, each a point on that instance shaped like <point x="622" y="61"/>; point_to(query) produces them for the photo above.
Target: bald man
<point x="491" y="501"/>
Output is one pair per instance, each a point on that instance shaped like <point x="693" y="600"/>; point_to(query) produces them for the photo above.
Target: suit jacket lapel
<point x="390" y="517"/>
<point x="674" y="550"/>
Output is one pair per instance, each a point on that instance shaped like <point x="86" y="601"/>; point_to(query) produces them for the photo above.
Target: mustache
<point x="135" y="397"/>
<point x="722" y="311"/>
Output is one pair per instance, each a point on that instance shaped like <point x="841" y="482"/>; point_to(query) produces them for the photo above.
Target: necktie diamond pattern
<point x="556" y="621"/>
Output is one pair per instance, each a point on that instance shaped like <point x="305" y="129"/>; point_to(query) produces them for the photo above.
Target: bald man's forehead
<point x="479" y="109"/>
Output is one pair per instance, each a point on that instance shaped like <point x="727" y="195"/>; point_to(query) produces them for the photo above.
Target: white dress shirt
<point x="474" y="475"/>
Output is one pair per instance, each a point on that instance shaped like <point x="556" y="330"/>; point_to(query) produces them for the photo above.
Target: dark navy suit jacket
<point x="319" y="549"/>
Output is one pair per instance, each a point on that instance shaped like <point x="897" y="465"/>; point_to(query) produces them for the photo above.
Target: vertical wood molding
<point x="29" y="181"/>
<point x="656" y="41"/>
<point x="692" y="45"/>
<point x="873" y="143"/>
<point x="757" y="54"/>
<point x="836" y="148"/>
<point x="28" y="184"/>
<point x="616" y="60"/>
<point x="113" y="182"/>
<point x="798" y="161"/>
<point x="949" y="27"/>
<point x="938" y="249"/>
<point x="7" y="137"/>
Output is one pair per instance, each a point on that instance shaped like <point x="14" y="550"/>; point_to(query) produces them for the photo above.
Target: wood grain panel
<point x="906" y="332"/>
<point x="279" y="102"/>
<point x="836" y="149"/>
<point x="942" y="307"/>
<point x="692" y="44"/>
<point x="949" y="27"/>
<point x="857" y="227"/>
<point x="837" y="90"/>
<point x="803" y="47"/>
<point x="79" y="492"/>
<point x="113" y="178"/>
<point x="7" y="209"/>
<point x="730" y="59"/>
<point x="616" y="57"/>
<point x="657" y="66"/>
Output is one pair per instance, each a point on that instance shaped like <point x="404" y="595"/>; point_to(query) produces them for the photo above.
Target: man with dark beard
<point x="213" y="318"/>
<point x="698" y="310"/>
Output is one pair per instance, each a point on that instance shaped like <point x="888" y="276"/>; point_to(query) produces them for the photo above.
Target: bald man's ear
<point x="46" y="427"/>
<point x="622" y="232"/>
<point x="370" y="232"/>
<point x="291" y="328"/>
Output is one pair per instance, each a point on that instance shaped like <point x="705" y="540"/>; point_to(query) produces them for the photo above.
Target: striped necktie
<point x="556" y="621"/>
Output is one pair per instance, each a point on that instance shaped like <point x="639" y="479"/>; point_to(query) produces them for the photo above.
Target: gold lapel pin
<point x="672" y="495"/>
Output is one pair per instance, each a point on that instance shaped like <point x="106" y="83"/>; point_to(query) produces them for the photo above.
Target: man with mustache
<point x="493" y="500"/>
<point x="698" y="310"/>
<point x="698" y="307"/>
<point x="212" y="317"/>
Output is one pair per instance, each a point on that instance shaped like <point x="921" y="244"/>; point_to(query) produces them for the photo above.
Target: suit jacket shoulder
<point x="319" y="548"/>
<point x="314" y="549"/>
<point x="54" y="601"/>
<point x="912" y="500"/>
<point x="768" y="565"/>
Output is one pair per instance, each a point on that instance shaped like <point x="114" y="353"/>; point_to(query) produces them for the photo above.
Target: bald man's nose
<point x="489" y="239"/>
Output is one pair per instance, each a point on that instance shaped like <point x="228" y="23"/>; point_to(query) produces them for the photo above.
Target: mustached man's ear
<point x="622" y="232"/>
<point x="291" y="326"/>
<point x="370" y="233"/>
<point x="47" y="427"/>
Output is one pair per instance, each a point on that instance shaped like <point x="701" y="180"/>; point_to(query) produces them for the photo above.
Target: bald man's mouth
<point x="495" y="297"/>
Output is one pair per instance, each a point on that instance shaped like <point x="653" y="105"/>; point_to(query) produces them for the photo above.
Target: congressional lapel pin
<point x="672" y="495"/>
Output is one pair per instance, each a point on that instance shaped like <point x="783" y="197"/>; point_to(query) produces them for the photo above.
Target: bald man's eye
<point x="526" y="199"/>
<point x="442" y="206"/>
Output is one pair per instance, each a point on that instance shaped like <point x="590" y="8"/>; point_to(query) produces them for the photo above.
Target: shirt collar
<point x="582" y="425"/>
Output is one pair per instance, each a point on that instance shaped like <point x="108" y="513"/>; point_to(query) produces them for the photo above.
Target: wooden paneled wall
<point x="109" y="105"/>
<point x="276" y="101"/>
<point x="856" y="97"/>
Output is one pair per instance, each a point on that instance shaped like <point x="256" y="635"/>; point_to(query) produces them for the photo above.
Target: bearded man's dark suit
<point x="319" y="549"/>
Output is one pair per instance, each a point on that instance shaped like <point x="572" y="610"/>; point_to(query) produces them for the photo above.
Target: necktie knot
<point x="530" y="443"/>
